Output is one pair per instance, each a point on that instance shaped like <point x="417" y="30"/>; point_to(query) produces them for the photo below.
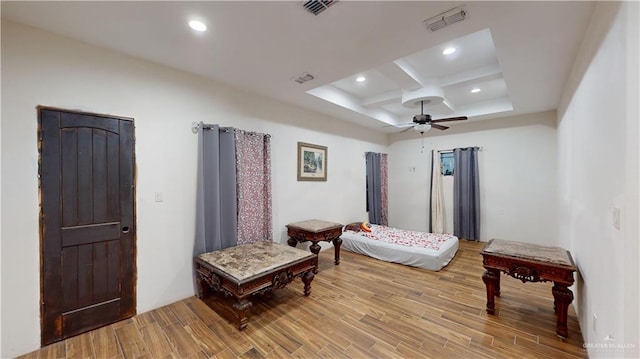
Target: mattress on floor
<point x="418" y="249"/>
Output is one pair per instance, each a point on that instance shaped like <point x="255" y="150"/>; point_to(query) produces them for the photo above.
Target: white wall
<point x="517" y="167"/>
<point x="43" y="69"/>
<point x="598" y="157"/>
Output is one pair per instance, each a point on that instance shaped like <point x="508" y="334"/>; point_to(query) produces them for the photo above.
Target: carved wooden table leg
<point x="491" y="279"/>
<point x="204" y="281"/>
<point x="563" y="297"/>
<point x="315" y="248"/>
<point x="242" y="307"/>
<point x="202" y="286"/>
<point x="292" y="242"/>
<point x="336" y="244"/>
<point x="306" y="279"/>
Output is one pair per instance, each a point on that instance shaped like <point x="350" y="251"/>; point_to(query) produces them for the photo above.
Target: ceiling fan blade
<point x="402" y="125"/>
<point x="439" y="127"/>
<point x="450" y="119"/>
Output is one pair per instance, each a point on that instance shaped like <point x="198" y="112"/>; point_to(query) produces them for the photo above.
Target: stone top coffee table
<point x="228" y="277"/>
<point x="314" y="231"/>
<point x="530" y="263"/>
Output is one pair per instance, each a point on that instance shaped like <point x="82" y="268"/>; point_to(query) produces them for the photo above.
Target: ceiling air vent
<point x="317" y="6"/>
<point x="446" y="18"/>
<point x="304" y="78"/>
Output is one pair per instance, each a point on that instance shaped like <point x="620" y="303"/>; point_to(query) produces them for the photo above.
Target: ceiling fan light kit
<point x="422" y="128"/>
<point x="423" y="122"/>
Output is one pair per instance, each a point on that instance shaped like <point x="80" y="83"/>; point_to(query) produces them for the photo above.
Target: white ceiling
<point x="518" y="53"/>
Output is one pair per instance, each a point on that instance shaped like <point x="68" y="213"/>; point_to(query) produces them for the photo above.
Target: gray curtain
<point x="374" y="187"/>
<point x="216" y="212"/>
<point x="466" y="194"/>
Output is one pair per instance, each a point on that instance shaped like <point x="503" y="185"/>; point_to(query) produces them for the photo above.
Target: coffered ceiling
<point x="518" y="54"/>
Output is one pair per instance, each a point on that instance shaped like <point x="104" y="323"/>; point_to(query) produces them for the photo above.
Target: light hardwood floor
<point x="363" y="308"/>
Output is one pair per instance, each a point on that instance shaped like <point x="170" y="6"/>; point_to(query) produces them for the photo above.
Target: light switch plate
<point x="616" y="217"/>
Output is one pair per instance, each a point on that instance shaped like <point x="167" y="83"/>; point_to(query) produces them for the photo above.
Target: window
<point x="446" y="163"/>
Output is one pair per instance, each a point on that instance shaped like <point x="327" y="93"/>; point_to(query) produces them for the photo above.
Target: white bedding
<point x="419" y="249"/>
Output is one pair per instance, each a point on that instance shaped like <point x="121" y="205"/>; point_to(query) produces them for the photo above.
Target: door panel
<point x="87" y="222"/>
<point x="89" y="234"/>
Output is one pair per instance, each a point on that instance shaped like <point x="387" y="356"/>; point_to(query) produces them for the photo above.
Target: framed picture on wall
<point x="312" y="162"/>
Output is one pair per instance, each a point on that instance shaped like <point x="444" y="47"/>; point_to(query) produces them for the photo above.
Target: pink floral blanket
<point x="406" y="237"/>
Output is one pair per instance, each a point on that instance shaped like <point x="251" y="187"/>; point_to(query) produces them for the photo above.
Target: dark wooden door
<point x="87" y="222"/>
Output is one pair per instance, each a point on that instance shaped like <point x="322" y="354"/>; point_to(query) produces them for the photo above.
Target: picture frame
<point x="312" y="162"/>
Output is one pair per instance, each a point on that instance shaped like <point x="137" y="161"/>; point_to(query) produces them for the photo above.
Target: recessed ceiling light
<point x="361" y="79"/>
<point x="475" y="90"/>
<point x="449" y="51"/>
<point x="197" y="25"/>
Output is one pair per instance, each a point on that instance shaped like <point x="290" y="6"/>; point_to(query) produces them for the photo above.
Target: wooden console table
<point x="530" y="263"/>
<point x="314" y="231"/>
<point x="228" y="277"/>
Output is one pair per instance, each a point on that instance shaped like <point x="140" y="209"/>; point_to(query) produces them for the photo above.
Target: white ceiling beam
<point x="382" y="99"/>
<point x="401" y="78"/>
<point x="342" y="98"/>
<point x="449" y="108"/>
<point x="482" y="73"/>
<point x="413" y="73"/>
<point x="492" y="106"/>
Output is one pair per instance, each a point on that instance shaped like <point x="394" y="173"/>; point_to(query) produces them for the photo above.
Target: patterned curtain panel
<point x="384" y="205"/>
<point x="253" y="161"/>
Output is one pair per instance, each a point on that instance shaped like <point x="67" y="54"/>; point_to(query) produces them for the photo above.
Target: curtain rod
<point x="451" y="150"/>
<point x="195" y="127"/>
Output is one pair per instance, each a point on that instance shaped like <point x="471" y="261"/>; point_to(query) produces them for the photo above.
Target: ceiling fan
<point x="423" y="123"/>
